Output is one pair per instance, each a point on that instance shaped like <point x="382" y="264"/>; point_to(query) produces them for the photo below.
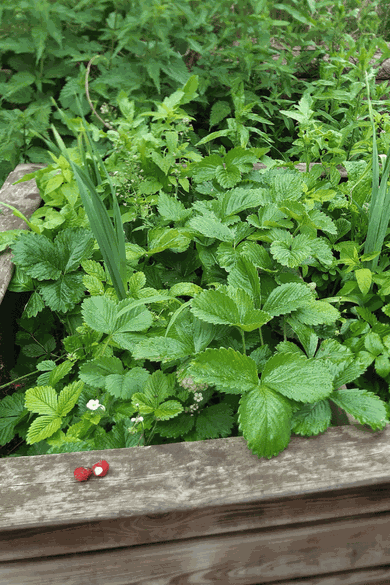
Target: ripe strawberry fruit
<point x="82" y="474"/>
<point x="100" y="468"/>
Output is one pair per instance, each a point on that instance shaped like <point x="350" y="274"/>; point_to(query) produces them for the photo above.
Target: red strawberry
<point x="100" y="468"/>
<point x="82" y="474"/>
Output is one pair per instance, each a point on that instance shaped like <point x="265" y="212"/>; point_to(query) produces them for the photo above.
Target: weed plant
<point x="224" y="301"/>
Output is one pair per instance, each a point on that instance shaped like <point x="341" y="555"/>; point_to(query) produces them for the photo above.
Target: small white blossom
<point x="94" y="405"/>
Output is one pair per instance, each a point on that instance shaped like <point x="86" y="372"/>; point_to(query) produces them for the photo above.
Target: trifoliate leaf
<point x="264" y="417"/>
<point x="312" y="419"/>
<point x="365" y="406"/>
<point x="299" y="378"/>
<point x="227" y="369"/>
<point x="287" y="298"/>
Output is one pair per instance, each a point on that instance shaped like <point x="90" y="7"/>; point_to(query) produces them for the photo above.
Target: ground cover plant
<point x="222" y="301"/>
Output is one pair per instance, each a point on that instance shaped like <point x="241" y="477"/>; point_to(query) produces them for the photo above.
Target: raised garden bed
<point x="202" y="512"/>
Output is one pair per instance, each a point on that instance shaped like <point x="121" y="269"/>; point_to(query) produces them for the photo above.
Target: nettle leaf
<point x="316" y="313"/>
<point x="219" y="111"/>
<point x="312" y="419"/>
<point x="292" y="253"/>
<point x="228" y="175"/>
<point x="287" y="298"/>
<point x="227" y="369"/>
<point x="211" y="227"/>
<point x="124" y="385"/>
<point x="264" y="417"/>
<point x="365" y="406"/>
<point x="299" y="378"/>
<point x="161" y="349"/>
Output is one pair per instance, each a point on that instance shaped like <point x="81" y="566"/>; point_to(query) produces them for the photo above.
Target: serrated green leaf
<point x="228" y="175"/>
<point x="59" y="372"/>
<point x="365" y="406"/>
<point x="299" y="378"/>
<point x="94" y="372"/>
<point x="171" y="209"/>
<point x="168" y="410"/>
<point x="292" y="254"/>
<point x="36" y="254"/>
<point x="126" y="384"/>
<point x="215" y="307"/>
<point x="177" y="427"/>
<point x="161" y="239"/>
<point x="211" y="227"/>
<point x="219" y="111"/>
<point x="161" y="349"/>
<point x="63" y="294"/>
<point x="227" y="369"/>
<point x="68" y="397"/>
<point x="12" y="411"/>
<point x="316" y="313"/>
<point x="364" y="279"/>
<point x="312" y="419"/>
<point x="42" y="428"/>
<point x="42" y="400"/>
<point x="287" y="298"/>
<point x="264" y="417"/>
<point x="214" y="421"/>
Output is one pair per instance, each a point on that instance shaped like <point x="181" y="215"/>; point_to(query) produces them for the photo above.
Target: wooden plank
<point x="183" y="490"/>
<point x="244" y="557"/>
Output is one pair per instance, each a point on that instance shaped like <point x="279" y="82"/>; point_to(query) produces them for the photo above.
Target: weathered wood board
<point x="202" y="512"/>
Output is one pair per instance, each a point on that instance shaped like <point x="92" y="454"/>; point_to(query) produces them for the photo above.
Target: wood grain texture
<point x="202" y="512"/>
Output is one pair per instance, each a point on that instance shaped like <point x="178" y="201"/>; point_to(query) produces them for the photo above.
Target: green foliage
<point x="223" y="300"/>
